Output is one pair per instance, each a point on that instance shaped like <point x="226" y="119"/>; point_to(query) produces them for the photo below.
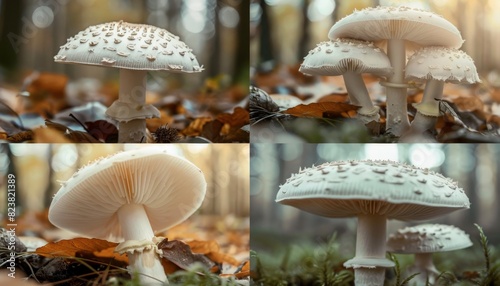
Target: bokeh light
<point x="42" y="17"/>
<point x="426" y="156"/>
<point x="65" y="157"/>
<point x="229" y="17"/>
<point x="320" y="9"/>
<point x="382" y="152"/>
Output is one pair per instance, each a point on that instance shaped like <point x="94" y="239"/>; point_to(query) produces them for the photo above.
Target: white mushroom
<point x="134" y="49"/>
<point x="424" y="240"/>
<point x="372" y="191"/>
<point x="350" y="58"/>
<point x="437" y="65"/>
<point x="130" y="195"/>
<point x="399" y="28"/>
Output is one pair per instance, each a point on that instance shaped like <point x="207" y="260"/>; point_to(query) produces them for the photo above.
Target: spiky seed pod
<point x="165" y="134"/>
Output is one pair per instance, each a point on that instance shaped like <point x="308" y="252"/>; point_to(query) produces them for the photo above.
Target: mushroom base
<point x="146" y="266"/>
<point x="358" y="94"/>
<point x="367" y="115"/>
<point x="423" y="122"/>
<point x="133" y="131"/>
<point x="369" y="277"/>
<point x="423" y="265"/>
<point x="143" y="259"/>
<point x="131" y="109"/>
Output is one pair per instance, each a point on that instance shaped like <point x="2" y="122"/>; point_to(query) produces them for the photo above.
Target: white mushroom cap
<point x="392" y="189"/>
<point x="129" y="46"/>
<point x="443" y="64"/>
<point x="428" y="238"/>
<point x="382" y="23"/>
<point x="342" y="55"/>
<point x="170" y="188"/>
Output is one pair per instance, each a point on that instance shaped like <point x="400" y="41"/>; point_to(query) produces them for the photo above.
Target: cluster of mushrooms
<point x="135" y="49"/>
<point x="127" y="197"/>
<point x="375" y="191"/>
<point x="357" y="44"/>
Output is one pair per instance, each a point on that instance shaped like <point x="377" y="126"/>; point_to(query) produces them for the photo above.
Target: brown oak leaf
<point x="319" y="109"/>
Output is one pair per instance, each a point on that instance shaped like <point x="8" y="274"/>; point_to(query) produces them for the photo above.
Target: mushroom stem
<point x="132" y="90"/>
<point x="397" y="115"/>
<point x="424" y="265"/>
<point x="369" y="263"/>
<point x="358" y="95"/>
<point x="131" y="110"/>
<point x="143" y="259"/>
<point x="428" y="109"/>
<point x="370" y="239"/>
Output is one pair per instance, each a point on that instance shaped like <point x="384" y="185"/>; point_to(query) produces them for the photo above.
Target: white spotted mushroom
<point x="372" y="191"/>
<point x="397" y="29"/>
<point x="350" y="58"/>
<point x="129" y="196"/>
<point x="424" y="240"/>
<point x="435" y="66"/>
<point x="135" y="49"/>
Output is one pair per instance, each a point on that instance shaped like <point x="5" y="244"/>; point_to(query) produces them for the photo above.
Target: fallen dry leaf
<point x="110" y="252"/>
<point x="49" y="135"/>
<point x="21" y="137"/>
<point x="221" y="258"/>
<point x="203" y="247"/>
<point x="212" y="131"/>
<point x="237" y="119"/>
<point x="335" y="98"/>
<point x="46" y="93"/>
<point x="469" y="103"/>
<point x="195" y="127"/>
<point x="70" y="247"/>
<point x="71" y="135"/>
<point x="102" y="130"/>
<point x="41" y="85"/>
<point x="319" y="109"/>
<point x="212" y="250"/>
<point x="181" y="255"/>
<point x="242" y="272"/>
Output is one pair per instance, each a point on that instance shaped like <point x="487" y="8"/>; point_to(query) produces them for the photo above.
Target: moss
<point x="304" y="262"/>
<point x="199" y="275"/>
<point x="302" y="265"/>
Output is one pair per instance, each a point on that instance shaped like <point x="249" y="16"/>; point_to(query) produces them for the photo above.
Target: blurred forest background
<point x="40" y="168"/>
<point x="33" y="30"/>
<point x="476" y="168"/>
<point x="283" y="31"/>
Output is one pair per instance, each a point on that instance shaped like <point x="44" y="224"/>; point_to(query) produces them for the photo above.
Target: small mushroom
<point x="424" y="240"/>
<point x="372" y="191"/>
<point x="398" y="28"/>
<point x="350" y="58"/>
<point x="130" y="195"/>
<point x="436" y="66"/>
<point x="122" y="52"/>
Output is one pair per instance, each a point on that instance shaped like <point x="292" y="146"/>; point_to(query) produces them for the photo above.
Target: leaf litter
<point x="468" y="113"/>
<point x="221" y="251"/>
<point x="78" y="109"/>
